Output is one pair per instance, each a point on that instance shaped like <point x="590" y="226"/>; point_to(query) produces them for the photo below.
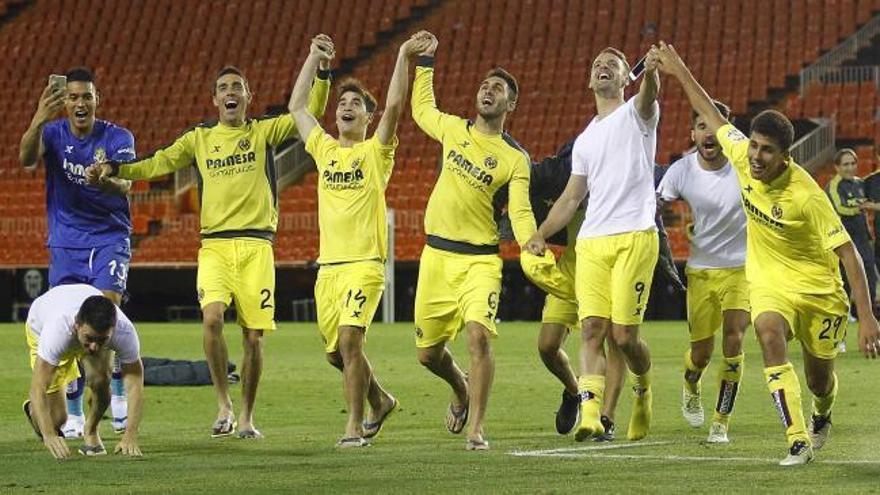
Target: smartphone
<point x="57" y="81"/>
<point x="638" y="69"/>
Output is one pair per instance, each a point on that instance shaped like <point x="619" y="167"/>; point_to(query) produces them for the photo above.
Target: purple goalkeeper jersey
<point x="82" y="216"/>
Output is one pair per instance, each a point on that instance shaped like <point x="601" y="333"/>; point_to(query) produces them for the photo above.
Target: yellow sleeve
<point x="519" y="208"/>
<point x="180" y="154"/>
<point x="735" y="146"/>
<point x="385" y="155"/>
<point x="319" y="144"/>
<point x="282" y="128"/>
<point x="833" y="191"/>
<point x="826" y="223"/>
<point x="424" y="106"/>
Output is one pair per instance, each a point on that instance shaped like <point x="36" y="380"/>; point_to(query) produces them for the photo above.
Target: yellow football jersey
<point x="236" y="169"/>
<point x="478" y="171"/>
<point x="351" y="197"/>
<point x="792" y="227"/>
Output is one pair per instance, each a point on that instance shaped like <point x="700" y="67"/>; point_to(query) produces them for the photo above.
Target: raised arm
<point x="424" y="105"/>
<point x="399" y="85"/>
<point x="869" y="331"/>
<point x="133" y="378"/>
<point x="31" y="146"/>
<point x="179" y="155"/>
<point x="321" y="49"/>
<point x="649" y="89"/>
<point x="668" y="62"/>
<point x="561" y="213"/>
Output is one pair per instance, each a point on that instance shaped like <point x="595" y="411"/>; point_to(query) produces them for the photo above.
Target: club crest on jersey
<point x="776" y="211"/>
<point x="490" y="162"/>
<point x="100" y="156"/>
<point x="244" y="144"/>
<point x="735" y="135"/>
<point x="355" y="165"/>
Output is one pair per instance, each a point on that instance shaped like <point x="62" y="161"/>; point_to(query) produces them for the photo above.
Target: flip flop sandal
<point x="477" y="445"/>
<point x="92" y="450"/>
<point x="250" y="434"/>
<point x="352" y="442"/>
<point x="458" y="420"/>
<point x="371" y="430"/>
<point x="223" y="428"/>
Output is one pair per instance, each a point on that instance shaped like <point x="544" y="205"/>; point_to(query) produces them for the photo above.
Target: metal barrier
<point x="816" y="147"/>
<point x="837" y="55"/>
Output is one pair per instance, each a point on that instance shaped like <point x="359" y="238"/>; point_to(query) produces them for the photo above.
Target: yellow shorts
<point x="710" y="292"/>
<point x="66" y="371"/>
<point x="454" y="289"/>
<point x="819" y="321"/>
<point x="347" y="294"/>
<point x="240" y="270"/>
<point x="558" y="310"/>
<point x="614" y="275"/>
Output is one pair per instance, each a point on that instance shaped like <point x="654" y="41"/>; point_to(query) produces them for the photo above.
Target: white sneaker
<point x="820" y="427"/>
<point x="692" y="408"/>
<point x="799" y="454"/>
<point x="717" y="433"/>
<point x="74" y="426"/>
<point x="119" y="410"/>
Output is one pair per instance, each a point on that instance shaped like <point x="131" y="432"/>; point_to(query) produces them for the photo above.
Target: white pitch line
<point x="607" y="446"/>
<point x="681" y="458"/>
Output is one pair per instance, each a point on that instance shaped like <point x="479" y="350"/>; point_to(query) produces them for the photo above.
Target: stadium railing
<point x="846" y="50"/>
<point x="816" y="147"/>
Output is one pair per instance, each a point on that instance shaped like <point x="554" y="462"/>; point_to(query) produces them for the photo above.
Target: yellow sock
<point x="822" y="405"/>
<point x="785" y="389"/>
<point x="640" y="420"/>
<point x="729" y="377"/>
<point x="592" y="391"/>
<point x="692" y="374"/>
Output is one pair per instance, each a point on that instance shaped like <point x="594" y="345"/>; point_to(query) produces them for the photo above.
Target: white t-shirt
<point x="51" y="319"/>
<point x="616" y="155"/>
<point x="718" y="239"/>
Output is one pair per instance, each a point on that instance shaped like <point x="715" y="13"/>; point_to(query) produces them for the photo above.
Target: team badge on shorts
<point x="201" y="294"/>
<point x="244" y="145"/>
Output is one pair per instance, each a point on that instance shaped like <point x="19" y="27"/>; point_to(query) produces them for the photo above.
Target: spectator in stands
<point x="848" y="195"/>
<point x="89" y="227"/>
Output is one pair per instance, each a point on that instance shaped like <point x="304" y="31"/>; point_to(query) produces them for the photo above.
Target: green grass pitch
<point x="301" y="411"/>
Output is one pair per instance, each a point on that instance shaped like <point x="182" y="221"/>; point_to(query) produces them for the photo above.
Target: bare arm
<point x="561" y="213"/>
<point x="31" y="146"/>
<point x="398" y="87"/>
<point x="670" y="63"/>
<point x="133" y="378"/>
<point x="649" y="88"/>
<point x="869" y="332"/>
<point x="40" y="412"/>
<point x="115" y="185"/>
<point x="321" y="49"/>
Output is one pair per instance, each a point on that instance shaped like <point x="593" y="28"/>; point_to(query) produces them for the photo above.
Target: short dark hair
<point x="617" y="53"/>
<point x="80" y="74"/>
<point x="230" y="69"/>
<point x="843" y="152"/>
<point x="99" y="313"/>
<point x="724" y="109"/>
<point x="355" y="86"/>
<point x="508" y="78"/>
<point x="776" y="126"/>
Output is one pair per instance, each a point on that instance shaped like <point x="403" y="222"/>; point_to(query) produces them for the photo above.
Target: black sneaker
<point x="608" y="436"/>
<point x="568" y="414"/>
